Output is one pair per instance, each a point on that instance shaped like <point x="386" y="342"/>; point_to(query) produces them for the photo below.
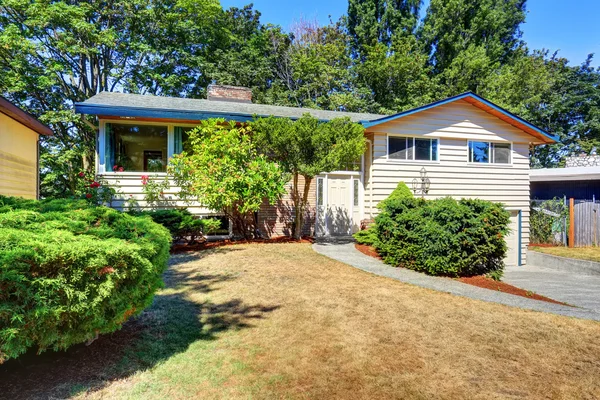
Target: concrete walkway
<point x="345" y="252"/>
<point x="571" y="287"/>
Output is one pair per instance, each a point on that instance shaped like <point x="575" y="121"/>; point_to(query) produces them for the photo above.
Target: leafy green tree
<point x="307" y="147"/>
<point x="225" y="172"/>
<point x="372" y="22"/>
<point x="55" y="53"/>
<point x="398" y="77"/>
<point x="466" y="39"/>
<point x="452" y="26"/>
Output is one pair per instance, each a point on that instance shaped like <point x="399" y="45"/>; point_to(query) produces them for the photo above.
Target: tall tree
<point x="455" y="32"/>
<point x="314" y="69"/>
<point x="372" y="22"/>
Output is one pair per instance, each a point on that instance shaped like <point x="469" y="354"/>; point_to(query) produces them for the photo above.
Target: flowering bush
<point x="225" y="171"/>
<point x="93" y="189"/>
<point x="154" y="189"/>
<point x="71" y="271"/>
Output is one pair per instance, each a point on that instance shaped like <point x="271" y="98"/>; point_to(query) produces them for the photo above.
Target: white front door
<point x="335" y="205"/>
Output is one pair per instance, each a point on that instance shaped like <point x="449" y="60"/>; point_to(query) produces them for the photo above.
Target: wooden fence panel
<point x="587" y="223"/>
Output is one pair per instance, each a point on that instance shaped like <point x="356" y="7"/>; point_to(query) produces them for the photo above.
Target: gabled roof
<point x="8" y="108"/>
<point x="480" y="103"/>
<point x="112" y="104"/>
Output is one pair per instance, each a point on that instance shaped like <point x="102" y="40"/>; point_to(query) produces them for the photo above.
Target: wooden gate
<point x="587" y="223"/>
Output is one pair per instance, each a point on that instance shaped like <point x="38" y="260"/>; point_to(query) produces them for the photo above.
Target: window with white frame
<point x="489" y="152"/>
<point x="412" y="149"/>
<point x="133" y="147"/>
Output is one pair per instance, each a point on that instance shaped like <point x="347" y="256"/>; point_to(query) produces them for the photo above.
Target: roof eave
<point x="477" y="101"/>
<point x="162" y="113"/>
<point x="24" y="118"/>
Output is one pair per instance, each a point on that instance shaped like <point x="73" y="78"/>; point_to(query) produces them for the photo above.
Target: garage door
<point x="512" y="240"/>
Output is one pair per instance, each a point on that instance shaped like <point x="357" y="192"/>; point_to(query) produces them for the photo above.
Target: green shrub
<point x="366" y="236"/>
<point x="70" y="272"/>
<point x="443" y="236"/>
<point x="181" y="223"/>
<point x="401" y="192"/>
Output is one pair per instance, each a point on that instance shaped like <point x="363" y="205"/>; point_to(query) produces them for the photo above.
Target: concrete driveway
<point x="571" y="287"/>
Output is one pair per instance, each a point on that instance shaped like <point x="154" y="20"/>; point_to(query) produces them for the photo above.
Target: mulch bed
<point x="479" y="281"/>
<point x="541" y="245"/>
<point x="488" y="283"/>
<point x="179" y="248"/>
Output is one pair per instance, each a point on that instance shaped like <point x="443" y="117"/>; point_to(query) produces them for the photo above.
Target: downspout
<point x="370" y="178"/>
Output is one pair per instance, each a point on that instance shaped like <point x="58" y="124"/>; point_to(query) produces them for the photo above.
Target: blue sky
<point x="572" y="27"/>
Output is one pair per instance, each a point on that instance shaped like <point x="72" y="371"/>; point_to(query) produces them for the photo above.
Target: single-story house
<point x="464" y="145"/>
<point x="579" y="179"/>
<point x="19" y="151"/>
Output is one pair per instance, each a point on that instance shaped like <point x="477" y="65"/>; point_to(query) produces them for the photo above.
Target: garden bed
<point x="178" y="248"/>
<point x="479" y="281"/>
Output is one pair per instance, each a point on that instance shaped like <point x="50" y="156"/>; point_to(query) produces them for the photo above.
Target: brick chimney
<point x="229" y="93"/>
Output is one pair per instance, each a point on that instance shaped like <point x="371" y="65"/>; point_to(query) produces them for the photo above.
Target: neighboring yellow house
<point x="19" y="135"/>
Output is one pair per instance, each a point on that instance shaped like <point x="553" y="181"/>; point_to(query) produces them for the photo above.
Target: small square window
<point x="501" y="153"/>
<point x="479" y="152"/>
<point x="399" y="148"/>
<point x="410" y="148"/>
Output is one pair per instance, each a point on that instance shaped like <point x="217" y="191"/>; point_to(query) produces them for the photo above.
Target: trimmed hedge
<point x="69" y="272"/>
<point x="444" y="236"/>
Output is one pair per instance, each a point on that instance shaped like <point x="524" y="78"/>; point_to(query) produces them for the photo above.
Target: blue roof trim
<point x="374" y="122"/>
<point x="142" y="112"/>
<point x="94" y="109"/>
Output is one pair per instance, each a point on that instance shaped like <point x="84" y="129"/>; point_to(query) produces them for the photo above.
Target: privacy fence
<point x="562" y="221"/>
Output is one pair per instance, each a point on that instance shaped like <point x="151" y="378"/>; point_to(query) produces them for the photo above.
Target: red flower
<point x="88" y="195"/>
<point x="144" y="179"/>
<point x="121" y="169"/>
<point x="95" y="185"/>
<point x="81" y="174"/>
<point x="115" y="167"/>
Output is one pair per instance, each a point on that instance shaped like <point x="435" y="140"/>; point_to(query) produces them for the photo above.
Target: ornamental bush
<point x="444" y="236"/>
<point x="70" y="271"/>
<point x="181" y="223"/>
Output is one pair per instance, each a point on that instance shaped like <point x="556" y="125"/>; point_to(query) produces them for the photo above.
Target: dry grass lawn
<point x="581" y="253"/>
<point x="280" y="321"/>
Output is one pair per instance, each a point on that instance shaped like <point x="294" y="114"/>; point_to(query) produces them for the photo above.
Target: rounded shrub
<point x="444" y="236"/>
<point x="69" y="272"/>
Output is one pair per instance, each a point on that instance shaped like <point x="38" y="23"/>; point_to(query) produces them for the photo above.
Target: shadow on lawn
<point x="168" y="327"/>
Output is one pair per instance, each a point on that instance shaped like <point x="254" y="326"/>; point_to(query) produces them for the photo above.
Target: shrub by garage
<point x="70" y="271"/>
<point x="444" y="236"/>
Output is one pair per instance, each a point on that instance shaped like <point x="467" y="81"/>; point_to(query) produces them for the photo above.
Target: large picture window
<point x="135" y="148"/>
<point x="489" y="152"/>
<point x="414" y="149"/>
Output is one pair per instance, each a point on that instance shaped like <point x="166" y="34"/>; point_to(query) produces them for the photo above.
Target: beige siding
<point x="452" y="175"/>
<point x="18" y="159"/>
<point x="129" y="188"/>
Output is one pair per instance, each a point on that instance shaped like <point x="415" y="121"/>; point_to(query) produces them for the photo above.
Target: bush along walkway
<point x="347" y="253"/>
